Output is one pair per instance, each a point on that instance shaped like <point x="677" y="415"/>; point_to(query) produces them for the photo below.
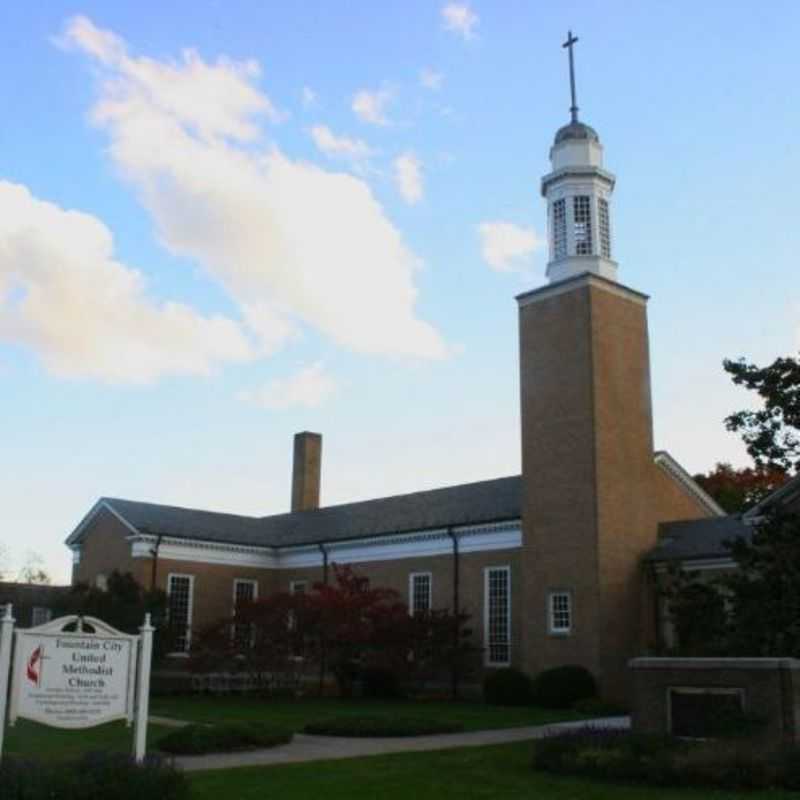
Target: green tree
<point x="752" y="610"/>
<point x="771" y="433"/>
<point x="122" y="604"/>
<point x="763" y="594"/>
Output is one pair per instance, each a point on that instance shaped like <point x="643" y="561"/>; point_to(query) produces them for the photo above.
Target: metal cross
<point x="571" y="40"/>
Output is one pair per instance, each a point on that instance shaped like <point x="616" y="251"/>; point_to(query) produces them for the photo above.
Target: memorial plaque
<point x="72" y="680"/>
<point x="704" y="713"/>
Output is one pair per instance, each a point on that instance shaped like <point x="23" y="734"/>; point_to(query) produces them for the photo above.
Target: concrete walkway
<point x="317" y="748"/>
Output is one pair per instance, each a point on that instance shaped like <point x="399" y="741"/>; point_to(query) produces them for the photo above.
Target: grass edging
<point x="377" y="726"/>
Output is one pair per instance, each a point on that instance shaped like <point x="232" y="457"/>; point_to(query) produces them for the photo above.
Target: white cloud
<point x="88" y="315"/>
<point x="460" y="19"/>
<point x="310" y="387"/>
<point x="408" y="177"/>
<point x="339" y="146"/>
<point x="309" y="97"/>
<point x="505" y="246"/>
<point x="211" y="100"/>
<point x="289" y="241"/>
<point x="430" y="79"/>
<point x="371" y="106"/>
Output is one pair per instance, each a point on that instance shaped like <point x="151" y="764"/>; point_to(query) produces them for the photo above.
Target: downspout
<point x="154" y="563"/>
<point x="454" y="671"/>
<point x="322" y="659"/>
<point x="324" y="562"/>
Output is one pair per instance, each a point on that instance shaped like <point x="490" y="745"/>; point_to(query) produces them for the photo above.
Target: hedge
<point x="95" y="776"/>
<point x="222" y="738"/>
<point x="562" y="687"/>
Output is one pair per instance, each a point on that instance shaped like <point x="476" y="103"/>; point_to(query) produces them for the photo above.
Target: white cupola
<point x="578" y="193"/>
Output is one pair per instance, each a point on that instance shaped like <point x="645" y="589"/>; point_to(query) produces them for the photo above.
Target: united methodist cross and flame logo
<point x="34" y="669"/>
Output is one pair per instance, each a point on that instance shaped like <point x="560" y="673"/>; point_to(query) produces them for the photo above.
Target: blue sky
<point x="318" y="217"/>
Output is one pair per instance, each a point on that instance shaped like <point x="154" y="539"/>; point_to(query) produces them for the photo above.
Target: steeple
<point x="578" y="192"/>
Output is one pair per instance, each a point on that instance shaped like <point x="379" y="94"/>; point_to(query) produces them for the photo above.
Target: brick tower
<point x="587" y="445"/>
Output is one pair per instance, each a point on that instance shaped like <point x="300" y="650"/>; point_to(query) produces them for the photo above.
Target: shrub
<point x="507" y="687"/>
<point x="663" y="761"/>
<point x="598" y="753"/>
<point x="366" y="726"/>
<point x="789" y="769"/>
<point x="223" y="738"/>
<point x="96" y="776"/>
<point x="561" y="687"/>
<point x="381" y="683"/>
<point x="596" y="707"/>
<point x="723" y="764"/>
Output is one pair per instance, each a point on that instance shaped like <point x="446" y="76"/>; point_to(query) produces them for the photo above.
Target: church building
<point x="552" y="564"/>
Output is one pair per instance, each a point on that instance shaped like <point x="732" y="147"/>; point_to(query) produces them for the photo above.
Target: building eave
<point x="74" y="539"/>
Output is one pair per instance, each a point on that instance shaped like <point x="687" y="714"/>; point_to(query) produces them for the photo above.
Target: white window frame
<point x="487" y="648"/>
<point x="559" y="228"/>
<point x="294" y="584"/>
<point x="236" y="583"/>
<point x="252" y="581"/>
<point x="189" y="609"/>
<point x="412" y="576"/>
<point x="43" y="613"/>
<point x="552" y="628"/>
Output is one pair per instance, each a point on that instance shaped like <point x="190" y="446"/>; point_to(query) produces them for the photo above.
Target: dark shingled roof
<point x="467" y="504"/>
<point x="697" y="538"/>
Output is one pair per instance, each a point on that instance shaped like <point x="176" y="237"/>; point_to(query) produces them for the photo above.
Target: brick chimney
<point x="306" y="470"/>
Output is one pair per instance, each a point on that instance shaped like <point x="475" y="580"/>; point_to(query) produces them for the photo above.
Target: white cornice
<point x="579" y="282"/>
<point x="415" y="544"/>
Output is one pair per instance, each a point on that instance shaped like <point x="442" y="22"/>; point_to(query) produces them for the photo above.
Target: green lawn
<point x="295" y="714"/>
<point x="43" y="743"/>
<point x="501" y="771"/>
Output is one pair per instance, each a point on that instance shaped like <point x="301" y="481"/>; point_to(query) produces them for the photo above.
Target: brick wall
<point x="770" y="687"/>
<point x="104" y="549"/>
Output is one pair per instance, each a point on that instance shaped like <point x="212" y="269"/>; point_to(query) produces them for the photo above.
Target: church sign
<point x="72" y="680"/>
<point x="76" y="672"/>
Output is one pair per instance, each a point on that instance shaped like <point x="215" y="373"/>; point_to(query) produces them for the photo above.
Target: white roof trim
<point x="101" y="505"/>
<point x="473" y="538"/>
<point x="664" y="460"/>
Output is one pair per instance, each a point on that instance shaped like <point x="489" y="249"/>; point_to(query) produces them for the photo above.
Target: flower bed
<point x="664" y="761"/>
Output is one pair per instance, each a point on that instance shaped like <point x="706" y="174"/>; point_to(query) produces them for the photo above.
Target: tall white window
<point x="582" y="221"/>
<point x="244" y="591"/>
<point x="497" y="615"/>
<point x="560" y="612"/>
<point x="559" y="229"/>
<point x="604" y="228"/>
<point x="180" y="589"/>
<point x="420" y="589"/>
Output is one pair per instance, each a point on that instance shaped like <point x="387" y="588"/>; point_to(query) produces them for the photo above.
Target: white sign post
<point x="6" y="629"/>
<point x="143" y="693"/>
<point x="77" y="672"/>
